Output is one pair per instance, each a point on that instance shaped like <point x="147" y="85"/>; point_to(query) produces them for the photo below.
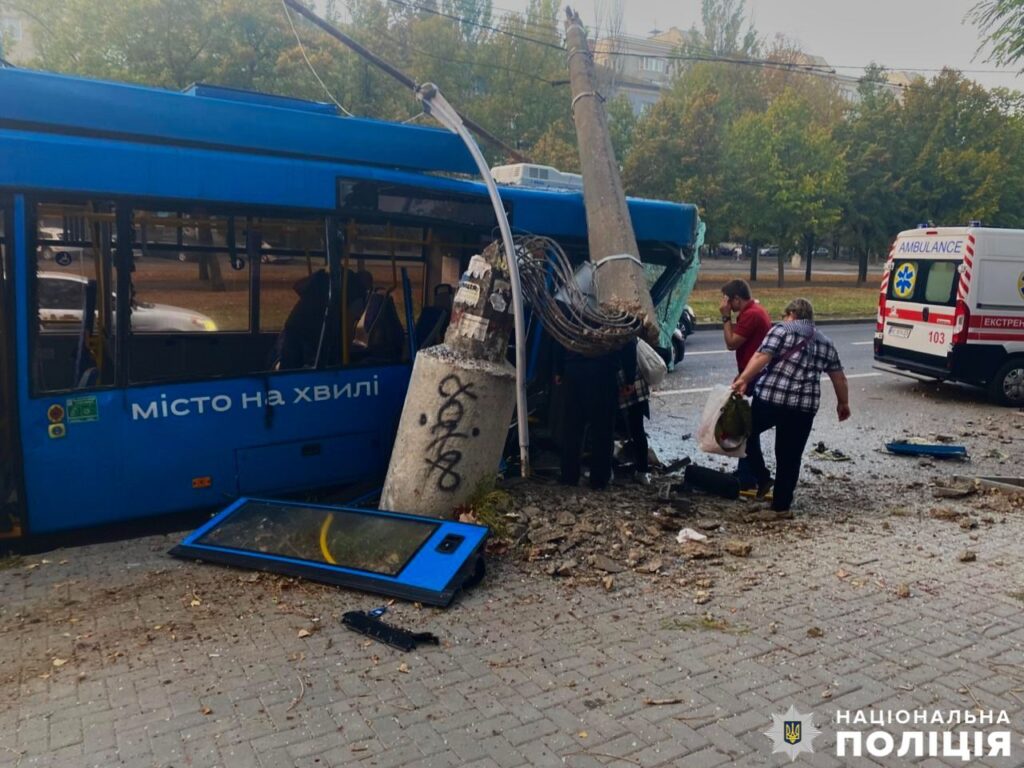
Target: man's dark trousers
<point x="792" y="429"/>
<point x="591" y="398"/>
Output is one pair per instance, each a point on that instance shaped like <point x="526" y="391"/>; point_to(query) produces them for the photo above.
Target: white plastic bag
<point x="651" y="365"/>
<point x="717" y="399"/>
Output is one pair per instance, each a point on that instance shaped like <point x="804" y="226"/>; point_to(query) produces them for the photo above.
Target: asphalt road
<point x="885" y="407"/>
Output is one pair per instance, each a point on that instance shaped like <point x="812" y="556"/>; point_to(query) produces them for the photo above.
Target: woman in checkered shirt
<point x="785" y="374"/>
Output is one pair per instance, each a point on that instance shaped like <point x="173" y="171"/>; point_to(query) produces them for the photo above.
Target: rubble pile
<point x="627" y="532"/>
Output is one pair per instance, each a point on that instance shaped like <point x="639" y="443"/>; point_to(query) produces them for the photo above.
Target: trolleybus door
<point x="10" y="504"/>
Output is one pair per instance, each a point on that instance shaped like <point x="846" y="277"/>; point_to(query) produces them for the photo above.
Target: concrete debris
<point x="738" y="548"/>
<point x="606" y="564"/>
<point x="688" y="534"/>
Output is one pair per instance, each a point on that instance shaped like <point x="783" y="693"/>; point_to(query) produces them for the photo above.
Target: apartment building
<point x="642" y="68"/>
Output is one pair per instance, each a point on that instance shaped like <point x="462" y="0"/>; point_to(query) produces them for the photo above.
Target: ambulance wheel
<point x="1007" y="387"/>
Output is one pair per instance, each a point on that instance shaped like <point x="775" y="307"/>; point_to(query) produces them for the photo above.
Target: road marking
<point x="861" y="343"/>
<point x="684" y="391"/>
<point x="701" y="390"/>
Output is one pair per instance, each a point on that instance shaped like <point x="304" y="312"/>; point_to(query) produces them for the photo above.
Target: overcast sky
<point x="901" y="34"/>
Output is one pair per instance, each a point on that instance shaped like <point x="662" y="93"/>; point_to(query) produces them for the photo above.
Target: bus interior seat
<point x="433" y="320"/>
<point x="379" y="336"/>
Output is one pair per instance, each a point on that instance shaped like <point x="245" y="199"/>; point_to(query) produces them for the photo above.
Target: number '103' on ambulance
<point x="951" y="307"/>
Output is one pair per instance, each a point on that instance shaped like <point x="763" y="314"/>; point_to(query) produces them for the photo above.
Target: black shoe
<point x="764" y="487"/>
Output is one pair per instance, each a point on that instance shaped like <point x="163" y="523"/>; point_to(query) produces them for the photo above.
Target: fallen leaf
<point x="903" y="591"/>
<point x="206" y="711"/>
<point x="815" y="632"/>
<point x="59" y="662"/>
<point x="968" y="556"/>
<point x="608" y="582"/>
<point x="304" y="633"/>
<point x="403" y="668"/>
<point x="583" y="734"/>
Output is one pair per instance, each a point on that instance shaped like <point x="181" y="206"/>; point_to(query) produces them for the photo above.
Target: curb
<point x="837" y="321"/>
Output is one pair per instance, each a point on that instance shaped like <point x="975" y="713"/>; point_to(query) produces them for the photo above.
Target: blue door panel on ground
<point x="408" y="556"/>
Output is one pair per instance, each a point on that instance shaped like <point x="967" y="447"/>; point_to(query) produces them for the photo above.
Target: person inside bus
<point x="301" y="342"/>
<point x="785" y="377"/>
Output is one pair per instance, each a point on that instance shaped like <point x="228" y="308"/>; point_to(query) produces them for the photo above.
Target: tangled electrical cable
<point x="572" y="318"/>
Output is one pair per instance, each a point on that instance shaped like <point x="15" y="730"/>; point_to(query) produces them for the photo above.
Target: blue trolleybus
<point x="212" y="294"/>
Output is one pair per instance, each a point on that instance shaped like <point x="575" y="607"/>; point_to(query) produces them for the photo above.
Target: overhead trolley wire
<point x="825" y="70"/>
<point x="309" y="64"/>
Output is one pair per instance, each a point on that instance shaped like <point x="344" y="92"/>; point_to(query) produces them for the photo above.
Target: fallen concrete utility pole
<point x="460" y="400"/>
<point x="619" y="277"/>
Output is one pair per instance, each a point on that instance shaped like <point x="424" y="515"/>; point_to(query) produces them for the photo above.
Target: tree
<point x="789" y="174"/>
<point x="961" y="154"/>
<point x="722" y="33"/>
<point x="874" y="209"/>
<point x="678" y="144"/>
<point x="1002" y="24"/>
<point x="476" y="15"/>
<point x="166" y="43"/>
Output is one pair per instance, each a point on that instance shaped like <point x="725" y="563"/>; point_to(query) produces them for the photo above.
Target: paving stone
<point x="515" y="687"/>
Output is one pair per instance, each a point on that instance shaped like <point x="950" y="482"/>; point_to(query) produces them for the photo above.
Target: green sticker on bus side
<point x="83" y="409"/>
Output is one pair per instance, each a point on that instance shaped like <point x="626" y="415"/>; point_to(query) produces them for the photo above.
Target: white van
<point x="951" y="307"/>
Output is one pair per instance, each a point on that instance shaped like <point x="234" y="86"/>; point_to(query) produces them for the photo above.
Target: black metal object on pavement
<point x="370" y="625"/>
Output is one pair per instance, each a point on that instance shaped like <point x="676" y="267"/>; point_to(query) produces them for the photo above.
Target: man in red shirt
<point x="744" y="336"/>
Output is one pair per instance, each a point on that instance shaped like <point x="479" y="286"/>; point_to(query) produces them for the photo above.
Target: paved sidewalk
<point x="116" y="654"/>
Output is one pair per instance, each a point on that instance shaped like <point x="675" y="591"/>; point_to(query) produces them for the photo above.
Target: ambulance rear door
<point x="920" y="300"/>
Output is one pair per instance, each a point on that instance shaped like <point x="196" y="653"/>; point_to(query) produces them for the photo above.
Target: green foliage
<point x="1002" y="23"/>
<point x="722" y="32"/>
<point x="788" y="172"/>
<point x="769" y="154"/>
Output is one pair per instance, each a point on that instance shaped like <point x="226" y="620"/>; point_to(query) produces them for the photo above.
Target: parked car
<point x="62" y="296"/>
<point x="821" y="252"/>
<point x="769" y="251"/>
<point x="51" y="247"/>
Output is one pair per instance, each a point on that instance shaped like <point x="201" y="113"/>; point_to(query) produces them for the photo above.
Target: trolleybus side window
<point x="290" y="251"/>
<point x="73" y="296"/>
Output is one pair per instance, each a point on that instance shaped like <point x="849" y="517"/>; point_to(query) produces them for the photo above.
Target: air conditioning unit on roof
<point x="536" y="176"/>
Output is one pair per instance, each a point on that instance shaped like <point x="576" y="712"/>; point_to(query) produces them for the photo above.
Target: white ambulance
<point x="951" y="307"/>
